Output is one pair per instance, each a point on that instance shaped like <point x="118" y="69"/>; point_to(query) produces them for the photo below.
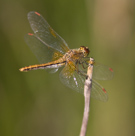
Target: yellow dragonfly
<point x="53" y="52"/>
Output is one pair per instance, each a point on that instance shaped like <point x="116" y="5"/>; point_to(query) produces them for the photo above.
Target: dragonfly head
<point x="85" y="51"/>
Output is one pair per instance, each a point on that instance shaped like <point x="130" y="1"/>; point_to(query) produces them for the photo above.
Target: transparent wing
<point x="76" y="81"/>
<point x="102" y="72"/>
<point x="98" y="92"/>
<point x="45" y="33"/>
<point x="43" y="53"/>
<point x="72" y="79"/>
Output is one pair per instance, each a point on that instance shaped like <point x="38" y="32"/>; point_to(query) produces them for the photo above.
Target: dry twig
<point x="87" y="91"/>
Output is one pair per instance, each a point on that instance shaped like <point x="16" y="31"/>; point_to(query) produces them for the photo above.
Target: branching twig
<point x="87" y="91"/>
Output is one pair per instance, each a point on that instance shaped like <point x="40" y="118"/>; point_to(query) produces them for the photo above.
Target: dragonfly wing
<point x="75" y="81"/>
<point x="53" y="70"/>
<point x="72" y="79"/>
<point x="98" y="92"/>
<point x="45" y="33"/>
<point x="102" y="72"/>
<point x="43" y="53"/>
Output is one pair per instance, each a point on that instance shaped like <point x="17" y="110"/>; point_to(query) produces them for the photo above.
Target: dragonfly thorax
<point x="77" y="54"/>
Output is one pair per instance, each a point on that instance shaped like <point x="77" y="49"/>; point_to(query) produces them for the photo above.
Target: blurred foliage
<point x="36" y="103"/>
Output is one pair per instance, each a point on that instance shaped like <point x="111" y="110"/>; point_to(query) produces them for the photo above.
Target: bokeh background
<point x="36" y="103"/>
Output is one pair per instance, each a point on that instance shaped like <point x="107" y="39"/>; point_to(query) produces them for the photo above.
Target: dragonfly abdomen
<point x="42" y="66"/>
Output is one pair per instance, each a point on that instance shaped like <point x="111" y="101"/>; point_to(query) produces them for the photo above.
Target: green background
<point x="36" y="103"/>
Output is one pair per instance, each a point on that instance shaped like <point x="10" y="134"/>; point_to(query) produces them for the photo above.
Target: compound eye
<point x="87" y="50"/>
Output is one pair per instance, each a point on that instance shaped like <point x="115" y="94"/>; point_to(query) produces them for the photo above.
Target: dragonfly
<point x="53" y="53"/>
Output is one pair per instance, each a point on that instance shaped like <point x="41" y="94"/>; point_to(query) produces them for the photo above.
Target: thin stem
<point x="87" y="91"/>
